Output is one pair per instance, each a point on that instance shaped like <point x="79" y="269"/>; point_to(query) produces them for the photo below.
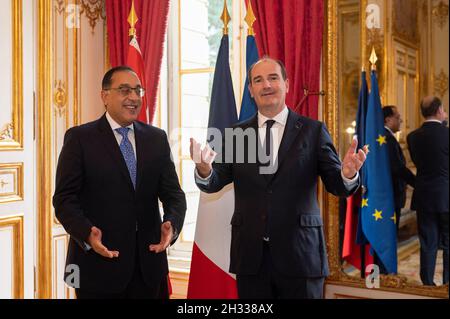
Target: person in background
<point x="401" y="175"/>
<point x="428" y="146"/>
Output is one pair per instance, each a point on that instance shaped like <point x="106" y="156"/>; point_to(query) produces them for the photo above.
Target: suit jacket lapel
<point x="110" y="143"/>
<point x="253" y="167"/>
<point x="141" y="152"/>
<point x="293" y="127"/>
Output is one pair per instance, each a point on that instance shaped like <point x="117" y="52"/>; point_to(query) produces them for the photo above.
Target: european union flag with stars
<point x="377" y="215"/>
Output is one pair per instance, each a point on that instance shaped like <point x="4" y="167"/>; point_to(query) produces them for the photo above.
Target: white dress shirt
<point x="433" y="120"/>
<point x="387" y="128"/>
<point x="114" y="125"/>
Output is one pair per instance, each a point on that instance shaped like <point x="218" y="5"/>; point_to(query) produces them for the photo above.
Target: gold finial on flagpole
<point x="132" y="19"/>
<point x="250" y="19"/>
<point x="225" y="17"/>
<point x="373" y="59"/>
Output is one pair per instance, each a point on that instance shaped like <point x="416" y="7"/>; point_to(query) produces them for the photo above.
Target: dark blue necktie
<point x="128" y="153"/>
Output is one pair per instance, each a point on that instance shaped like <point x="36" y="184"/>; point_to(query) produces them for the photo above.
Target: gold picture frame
<point x="388" y="283"/>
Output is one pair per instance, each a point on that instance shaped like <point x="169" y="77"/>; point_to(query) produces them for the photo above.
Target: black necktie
<point x="269" y="148"/>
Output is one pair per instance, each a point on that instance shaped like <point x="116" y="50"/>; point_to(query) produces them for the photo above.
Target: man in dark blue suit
<point x="277" y="247"/>
<point x="401" y="175"/>
<point x="110" y="175"/>
<point x="428" y="146"/>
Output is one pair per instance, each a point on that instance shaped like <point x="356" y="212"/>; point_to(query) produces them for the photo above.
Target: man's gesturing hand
<point x="203" y="159"/>
<point x="353" y="160"/>
<point x="166" y="238"/>
<point x="95" y="241"/>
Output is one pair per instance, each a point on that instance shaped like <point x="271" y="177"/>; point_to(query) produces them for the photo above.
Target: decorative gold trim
<point x="60" y="98"/>
<point x="7" y="133"/>
<point x="400" y="58"/>
<point x="330" y="203"/>
<point x="44" y="96"/>
<point x="440" y="14"/>
<point x="60" y="6"/>
<point x="76" y="119"/>
<point x="17" y="170"/>
<point x="441" y="83"/>
<point x="66" y="68"/>
<point x="93" y="10"/>
<point x="401" y="19"/>
<point x="363" y="30"/>
<point x="330" y="117"/>
<point x="18" y="281"/>
<point x="11" y="138"/>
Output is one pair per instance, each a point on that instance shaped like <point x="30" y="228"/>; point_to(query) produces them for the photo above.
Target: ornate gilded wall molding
<point x="11" y="182"/>
<point x="424" y="9"/>
<point x="94" y="10"/>
<point x="6" y="134"/>
<point x="11" y="134"/>
<point x="440" y="14"/>
<point x="405" y="20"/>
<point x="375" y="38"/>
<point x="16" y="222"/>
<point x="43" y="151"/>
<point x="60" y="6"/>
<point x="441" y="83"/>
<point x="60" y="98"/>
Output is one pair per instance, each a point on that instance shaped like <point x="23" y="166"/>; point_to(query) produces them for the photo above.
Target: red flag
<point x="136" y="62"/>
<point x="351" y="251"/>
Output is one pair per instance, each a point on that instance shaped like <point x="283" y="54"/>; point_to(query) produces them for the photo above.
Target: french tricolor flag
<point x="209" y="277"/>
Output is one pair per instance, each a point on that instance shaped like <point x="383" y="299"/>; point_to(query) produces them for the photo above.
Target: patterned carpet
<point x="408" y="262"/>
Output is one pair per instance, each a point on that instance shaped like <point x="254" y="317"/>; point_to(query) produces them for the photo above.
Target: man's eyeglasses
<point x="126" y="90"/>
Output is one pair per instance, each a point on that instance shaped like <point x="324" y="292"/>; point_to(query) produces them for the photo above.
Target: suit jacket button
<point x="263" y="217"/>
<point x="269" y="191"/>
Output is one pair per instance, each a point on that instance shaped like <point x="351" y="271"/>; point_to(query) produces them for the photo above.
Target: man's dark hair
<point x="430" y="107"/>
<point x="388" y="111"/>
<point x="107" y="78"/>
<point x="266" y="57"/>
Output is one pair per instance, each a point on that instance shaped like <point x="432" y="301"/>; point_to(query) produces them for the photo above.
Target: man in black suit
<point x="277" y="247"/>
<point x="111" y="173"/>
<point x="401" y="175"/>
<point x="428" y="146"/>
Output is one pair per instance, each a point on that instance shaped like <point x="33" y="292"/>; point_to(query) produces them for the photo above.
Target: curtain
<point x="150" y="29"/>
<point x="291" y="31"/>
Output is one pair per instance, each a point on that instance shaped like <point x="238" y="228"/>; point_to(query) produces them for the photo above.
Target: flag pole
<point x="225" y="17"/>
<point x="132" y="20"/>
<point x="250" y="19"/>
<point x="373" y="60"/>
